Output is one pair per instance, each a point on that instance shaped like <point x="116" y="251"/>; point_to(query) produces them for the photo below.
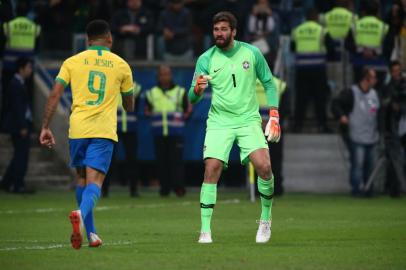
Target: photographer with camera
<point x="357" y="111"/>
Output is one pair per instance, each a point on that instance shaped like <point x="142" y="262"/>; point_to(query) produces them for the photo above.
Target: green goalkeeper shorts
<point x="218" y="142"/>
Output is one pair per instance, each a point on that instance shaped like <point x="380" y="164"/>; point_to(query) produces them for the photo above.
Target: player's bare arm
<point x="128" y="103"/>
<point x="46" y="137"/>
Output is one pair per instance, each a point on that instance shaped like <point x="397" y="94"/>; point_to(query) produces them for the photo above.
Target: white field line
<point x="57" y="246"/>
<point x="108" y="208"/>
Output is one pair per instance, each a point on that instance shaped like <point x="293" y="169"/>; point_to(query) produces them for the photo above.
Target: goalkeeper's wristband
<point x="274" y="113"/>
<point x="196" y="90"/>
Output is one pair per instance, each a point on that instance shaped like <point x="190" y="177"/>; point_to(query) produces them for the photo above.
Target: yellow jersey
<point x="97" y="77"/>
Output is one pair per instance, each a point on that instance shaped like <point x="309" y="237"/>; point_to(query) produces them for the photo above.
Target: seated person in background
<point x="175" y="25"/>
<point x="130" y="27"/>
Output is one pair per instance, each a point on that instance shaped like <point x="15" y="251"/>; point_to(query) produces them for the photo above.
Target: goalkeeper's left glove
<point x="273" y="129"/>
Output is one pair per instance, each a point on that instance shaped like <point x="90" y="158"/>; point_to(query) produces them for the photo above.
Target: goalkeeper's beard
<point x="224" y="42"/>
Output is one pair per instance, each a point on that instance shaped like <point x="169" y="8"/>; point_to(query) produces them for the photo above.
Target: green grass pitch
<point x="308" y="232"/>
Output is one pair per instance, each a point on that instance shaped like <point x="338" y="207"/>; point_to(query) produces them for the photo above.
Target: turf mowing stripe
<point x="107" y="208"/>
<point x="56" y="246"/>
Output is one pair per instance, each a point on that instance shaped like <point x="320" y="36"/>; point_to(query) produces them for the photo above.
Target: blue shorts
<point x="95" y="153"/>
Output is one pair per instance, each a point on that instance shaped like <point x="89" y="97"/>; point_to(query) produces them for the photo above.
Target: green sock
<point x="265" y="189"/>
<point x="208" y="196"/>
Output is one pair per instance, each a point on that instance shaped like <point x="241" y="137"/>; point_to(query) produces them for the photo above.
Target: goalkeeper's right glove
<point x="201" y="84"/>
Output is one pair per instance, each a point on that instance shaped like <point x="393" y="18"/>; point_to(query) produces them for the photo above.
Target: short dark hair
<point x="97" y="29"/>
<point x="394" y="63"/>
<point x="225" y="16"/>
<point x="22" y="62"/>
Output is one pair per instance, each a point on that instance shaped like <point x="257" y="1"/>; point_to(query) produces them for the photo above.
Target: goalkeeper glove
<point x="201" y="84"/>
<point x="272" y="129"/>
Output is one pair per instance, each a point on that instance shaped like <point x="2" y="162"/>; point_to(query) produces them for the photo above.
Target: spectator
<point x="168" y="105"/>
<point x="175" y="26"/>
<point x="394" y="105"/>
<point x="357" y="111"/>
<point x="262" y="30"/>
<point x="17" y="122"/>
<point x="310" y="42"/>
<point x="130" y="27"/>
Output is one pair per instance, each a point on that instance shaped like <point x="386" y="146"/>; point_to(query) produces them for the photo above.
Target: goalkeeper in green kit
<point x="231" y="68"/>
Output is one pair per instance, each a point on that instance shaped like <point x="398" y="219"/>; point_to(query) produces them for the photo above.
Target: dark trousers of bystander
<point x="395" y="165"/>
<point x="127" y="169"/>
<point x="13" y="179"/>
<point x="169" y="161"/>
<point x="362" y="160"/>
<point x="311" y="84"/>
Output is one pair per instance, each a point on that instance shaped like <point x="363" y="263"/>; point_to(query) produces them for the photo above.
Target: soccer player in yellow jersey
<point x="96" y="77"/>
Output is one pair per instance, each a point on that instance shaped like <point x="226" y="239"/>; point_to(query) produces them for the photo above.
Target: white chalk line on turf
<point x="113" y="207"/>
<point x="56" y="246"/>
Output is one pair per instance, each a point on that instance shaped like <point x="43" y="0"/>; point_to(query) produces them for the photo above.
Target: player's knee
<point x="212" y="172"/>
<point x="264" y="170"/>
